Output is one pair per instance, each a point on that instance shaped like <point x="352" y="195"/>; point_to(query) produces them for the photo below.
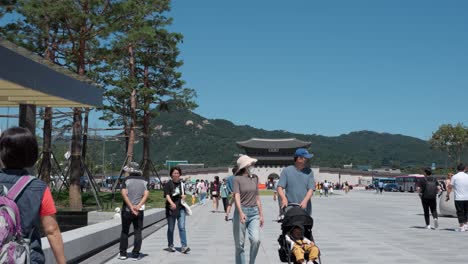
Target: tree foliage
<point x="451" y="139"/>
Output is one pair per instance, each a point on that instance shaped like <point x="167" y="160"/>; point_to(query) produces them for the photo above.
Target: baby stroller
<point x="294" y="216"/>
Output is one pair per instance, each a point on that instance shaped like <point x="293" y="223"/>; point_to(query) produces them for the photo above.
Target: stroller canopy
<point x="296" y="216"/>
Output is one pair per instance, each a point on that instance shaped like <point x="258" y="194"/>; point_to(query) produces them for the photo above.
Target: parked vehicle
<point x="409" y="183"/>
<point x="391" y="187"/>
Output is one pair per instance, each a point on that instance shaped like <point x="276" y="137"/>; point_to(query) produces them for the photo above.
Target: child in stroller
<point x="296" y="243"/>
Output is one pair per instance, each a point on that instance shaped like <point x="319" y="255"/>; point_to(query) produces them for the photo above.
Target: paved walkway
<point x="360" y="227"/>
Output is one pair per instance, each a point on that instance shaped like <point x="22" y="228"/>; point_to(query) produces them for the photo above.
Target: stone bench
<point x="86" y="241"/>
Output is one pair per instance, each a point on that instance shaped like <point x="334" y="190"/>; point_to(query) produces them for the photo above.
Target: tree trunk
<point x="146" y="129"/>
<point x="46" y="146"/>
<point x="85" y="134"/>
<point x="133" y="117"/>
<point x="131" y="136"/>
<point x="75" y="163"/>
<point x="146" y="145"/>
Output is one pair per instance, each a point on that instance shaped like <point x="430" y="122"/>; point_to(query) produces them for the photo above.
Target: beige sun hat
<point x="245" y="161"/>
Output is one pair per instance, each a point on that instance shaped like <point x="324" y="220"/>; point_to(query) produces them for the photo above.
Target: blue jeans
<point x="202" y="198"/>
<point x="170" y="229"/>
<point x="252" y="224"/>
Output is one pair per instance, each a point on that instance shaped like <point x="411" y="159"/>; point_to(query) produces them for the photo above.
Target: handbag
<point x="187" y="208"/>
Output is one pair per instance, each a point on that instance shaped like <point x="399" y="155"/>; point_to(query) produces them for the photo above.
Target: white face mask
<point x="251" y="170"/>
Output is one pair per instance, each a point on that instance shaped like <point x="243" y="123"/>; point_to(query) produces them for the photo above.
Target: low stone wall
<point x="91" y="239"/>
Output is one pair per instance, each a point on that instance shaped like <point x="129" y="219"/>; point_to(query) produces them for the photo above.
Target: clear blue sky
<point x="327" y="67"/>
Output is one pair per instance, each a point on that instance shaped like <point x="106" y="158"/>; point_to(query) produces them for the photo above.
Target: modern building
<point x="272" y="154"/>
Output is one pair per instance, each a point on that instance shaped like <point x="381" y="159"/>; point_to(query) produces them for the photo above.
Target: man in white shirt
<point x="459" y="184"/>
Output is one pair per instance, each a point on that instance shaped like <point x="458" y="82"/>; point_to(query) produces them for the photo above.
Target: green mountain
<point x="184" y="135"/>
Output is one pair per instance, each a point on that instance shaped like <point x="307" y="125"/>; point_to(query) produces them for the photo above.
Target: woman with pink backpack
<point x="30" y="198"/>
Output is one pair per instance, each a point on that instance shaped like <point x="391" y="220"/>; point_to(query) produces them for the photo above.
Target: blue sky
<point x="327" y="67"/>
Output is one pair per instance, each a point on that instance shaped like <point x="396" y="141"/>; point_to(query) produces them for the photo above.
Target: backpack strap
<point x="19" y="186"/>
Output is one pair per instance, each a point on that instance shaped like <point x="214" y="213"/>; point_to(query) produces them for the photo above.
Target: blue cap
<point x="302" y="152"/>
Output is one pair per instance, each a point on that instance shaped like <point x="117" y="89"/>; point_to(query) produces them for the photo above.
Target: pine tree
<point x="142" y="72"/>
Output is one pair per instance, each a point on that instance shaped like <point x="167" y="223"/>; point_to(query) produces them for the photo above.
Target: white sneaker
<point x="122" y="257"/>
<point x="436" y="223"/>
<point x="460" y="229"/>
<point x="428" y="227"/>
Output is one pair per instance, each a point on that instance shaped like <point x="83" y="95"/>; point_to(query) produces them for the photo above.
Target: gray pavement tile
<point x="360" y="227"/>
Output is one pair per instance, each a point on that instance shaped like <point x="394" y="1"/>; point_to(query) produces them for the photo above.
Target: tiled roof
<point x="268" y="143"/>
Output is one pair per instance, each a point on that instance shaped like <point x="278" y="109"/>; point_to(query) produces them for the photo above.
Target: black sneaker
<point x="185" y="250"/>
<point x="136" y="256"/>
<point x="171" y="249"/>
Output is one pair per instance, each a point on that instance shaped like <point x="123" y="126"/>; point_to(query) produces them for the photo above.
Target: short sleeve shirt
<point x="174" y="190"/>
<point x="247" y="187"/>
<point x="47" y="204"/>
<point x="296" y="183"/>
<point x="230" y="180"/>
<point x="136" y="187"/>
<point x="460" y="186"/>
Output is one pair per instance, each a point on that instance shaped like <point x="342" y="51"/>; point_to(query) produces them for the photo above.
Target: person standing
<point x="229" y="185"/>
<point x="134" y="194"/>
<point x="224" y="193"/>
<point x="346" y="187"/>
<point x="18" y="151"/>
<point x="428" y="193"/>
<point x="214" y="190"/>
<point x="459" y="185"/>
<point x="202" y="188"/>
<point x="175" y="211"/>
<point x="194" y="192"/>
<point x="296" y="183"/>
<point x="326" y="188"/>
<point x="381" y="184"/>
<point x="277" y="198"/>
<point x="248" y="214"/>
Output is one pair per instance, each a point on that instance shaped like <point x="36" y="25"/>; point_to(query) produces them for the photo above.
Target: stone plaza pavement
<point x="360" y="227"/>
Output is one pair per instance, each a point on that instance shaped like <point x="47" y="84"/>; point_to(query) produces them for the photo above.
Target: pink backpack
<point x="13" y="247"/>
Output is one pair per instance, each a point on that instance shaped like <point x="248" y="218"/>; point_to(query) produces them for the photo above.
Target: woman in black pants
<point x="224" y="192"/>
<point x="428" y="193"/>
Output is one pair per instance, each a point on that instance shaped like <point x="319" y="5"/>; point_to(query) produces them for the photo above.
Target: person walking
<point x="134" y="193"/>
<point x="229" y="185"/>
<point x="194" y="192"/>
<point x="175" y="211"/>
<point x="214" y="190"/>
<point x="202" y="188"/>
<point x="224" y="193"/>
<point x="326" y="187"/>
<point x="277" y="198"/>
<point x="18" y="151"/>
<point x="296" y="183"/>
<point x="381" y="184"/>
<point x="428" y="192"/>
<point x="459" y="185"/>
<point x="248" y="214"/>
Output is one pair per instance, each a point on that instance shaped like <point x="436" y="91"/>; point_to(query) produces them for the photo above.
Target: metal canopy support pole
<point x="27" y="117"/>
